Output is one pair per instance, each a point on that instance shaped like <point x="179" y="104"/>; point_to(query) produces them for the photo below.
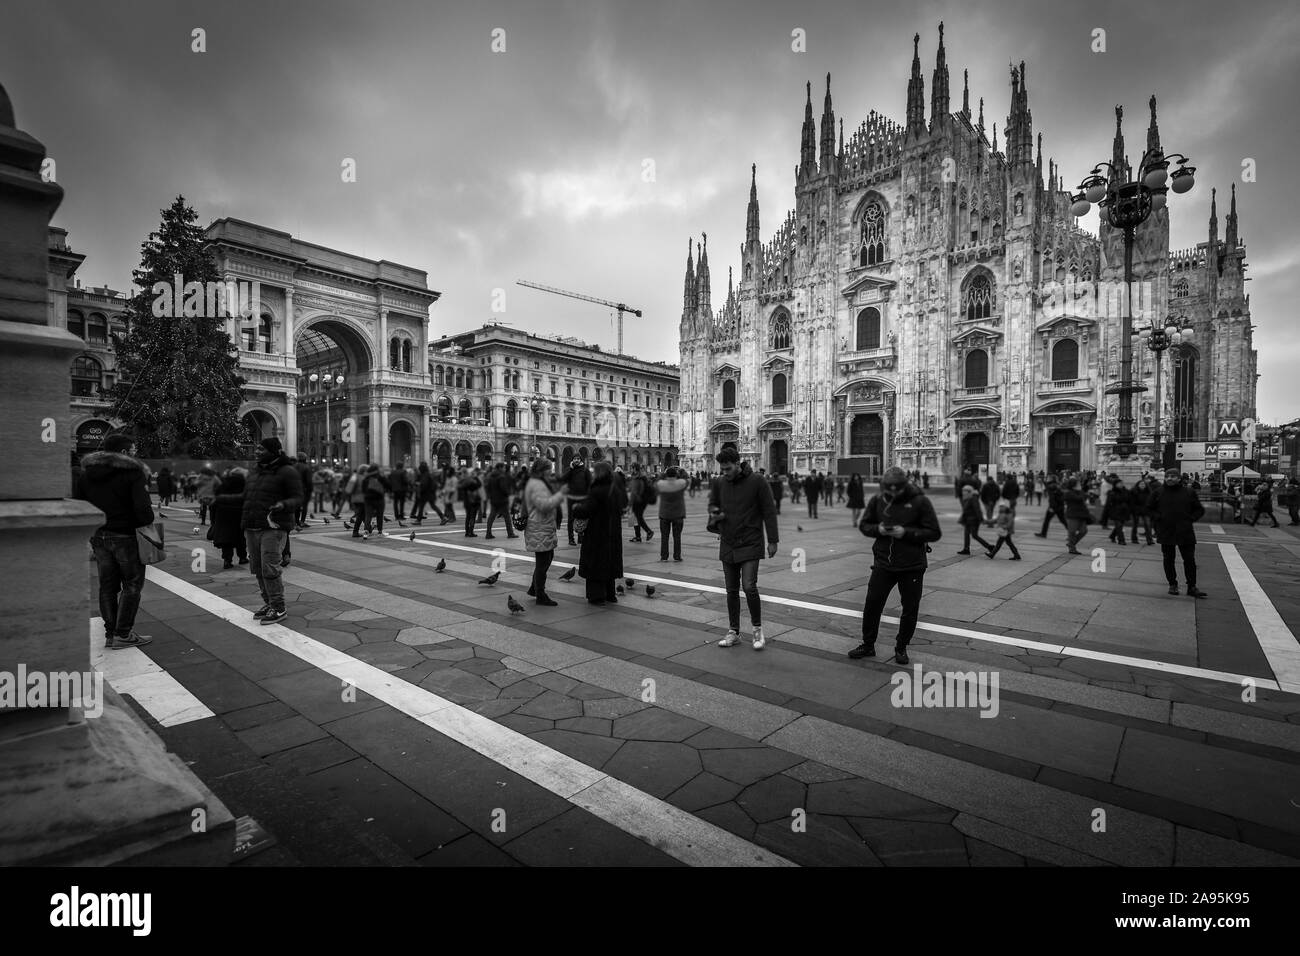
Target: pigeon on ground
<point x="568" y="575"/>
<point x="515" y="606"/>
<point x="411" y="537"/>
<point x="326" y="520"/>
<point x="197" y="530"/>
<point x="799" y="527"/>
<point x="442" y="565"/>
<point x="491" y="578"/>
<point x="630" y="583"/>
<point x="649" y="590"/>
<point x="619" y="589"/>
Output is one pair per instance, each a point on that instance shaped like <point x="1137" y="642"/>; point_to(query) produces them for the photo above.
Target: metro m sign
<point x="1229" y="429"/>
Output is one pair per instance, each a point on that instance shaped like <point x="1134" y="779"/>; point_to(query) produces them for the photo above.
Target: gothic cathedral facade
<point x="930" y="302"/>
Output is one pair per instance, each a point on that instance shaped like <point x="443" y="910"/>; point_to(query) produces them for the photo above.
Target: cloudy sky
<point x="482" y="168"/>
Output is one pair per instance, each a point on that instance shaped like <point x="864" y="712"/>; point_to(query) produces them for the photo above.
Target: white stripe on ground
<point x="1216" y="529"/>
<point x="675" y="832"/>
<point x="130" y="671"/>
<point x="1044" y="647"/>
<point x="1275" y="638"/>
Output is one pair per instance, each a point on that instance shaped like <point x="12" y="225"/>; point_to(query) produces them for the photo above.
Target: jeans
<point x="539" y="569"/>
<point x="423" y="502"/>
<point x="673" y="527"/>
<point x="1188" y="550"/>
<point x="1047" y="520"/>
<point x="972" y="530"/>
<point x="1076" y="528"/>
<point x="879" y="585"/>
<point x="738" y="577"/>
<point x="1146" y="526"/>
<point x="500" y="509"/>
<point x="1009" y="543"/>
<point x="121" y="579"/>
<point x="638" y="512"/>
<point x="265" y="552"/>
<point x="399" y="506"/>
<point x="812" y="504"/>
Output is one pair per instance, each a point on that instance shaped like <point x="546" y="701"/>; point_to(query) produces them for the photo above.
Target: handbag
<point x="149" y="541"/>
<point x="518" y="517"/>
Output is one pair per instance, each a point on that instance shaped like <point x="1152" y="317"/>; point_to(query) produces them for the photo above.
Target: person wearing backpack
<point x="374" y="490"/>
<point x="498" y="494"/>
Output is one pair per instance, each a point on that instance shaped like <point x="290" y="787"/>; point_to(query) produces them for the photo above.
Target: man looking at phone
<point x="903" y="522"/>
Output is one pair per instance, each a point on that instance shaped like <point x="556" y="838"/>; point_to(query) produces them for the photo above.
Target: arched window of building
<point x="1181" y="290"/>
<point x="872" y="245"/>
<point x="977" y="296"/>
<point x="729" y="394"/>
<point x="264" y="336"/>
<point x="977" y="369"/>
<point x="974" y="226"/>
<point x="555" y="423"/>
<point x="407" y="352"/>
<point x="97" y="329"/>
<point x="76" y="323"/>
<point x="87" y="376"/>
<point x="868" y="331"/>
<point x="460" y="378"/>
<point x="463" y="410"/>
<point x="395" y="354"/>
<point x="779" y="334"/>
<point x="1065" y="360"/>
<point x="486" y="413"/>
<point x="512" y="414"/>
<point x="778" y="389"/>
<point x="444" y="407"/>
<point x="1185" y="417"/>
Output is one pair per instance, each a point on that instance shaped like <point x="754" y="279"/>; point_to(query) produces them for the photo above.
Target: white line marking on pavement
<point x="1275" y="638"/>
<point x="1040" y="646"/>
<point x="130" y="671"/>
<point x="677" y="833"/>
<point x="1217" y="529"/>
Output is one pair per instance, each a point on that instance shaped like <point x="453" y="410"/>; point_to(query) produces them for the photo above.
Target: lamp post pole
<point x="1158" y="339"/>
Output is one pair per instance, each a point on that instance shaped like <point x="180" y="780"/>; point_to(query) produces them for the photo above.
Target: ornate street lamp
<point x="329" y="383"/>
<point x="1158" y="340"/>
<point x="1125" y="206"/>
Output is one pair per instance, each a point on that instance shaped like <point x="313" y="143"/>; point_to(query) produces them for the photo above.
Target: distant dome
<point x="6" y="109"/>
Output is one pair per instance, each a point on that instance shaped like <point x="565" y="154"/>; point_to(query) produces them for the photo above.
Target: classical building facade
<point x="930" y="302"/>
<point x="504" y="394"/>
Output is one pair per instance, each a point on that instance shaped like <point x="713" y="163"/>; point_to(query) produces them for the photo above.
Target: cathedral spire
<point x="839" y="161"/>
<point x="965" y="94"/>
<point x="731" y="291"/>
<point x="916" y="93"/>
<point x="1231" y="234"/>
<point x="702" y="279"/>
<point x="1117" y="159"/>
<point x="995" y="137"/>
<point x="688" y="292"/>
<point x="939" y="89"/>
<point x="808" y="143"/>
<point x="751" y="213"/>
<point x="1020" y="126"/>
<point x="1039" y="162"/>
<point x="1153" y="131"/>
<point x="980" y="125"/>
<point x="828" y="132"/>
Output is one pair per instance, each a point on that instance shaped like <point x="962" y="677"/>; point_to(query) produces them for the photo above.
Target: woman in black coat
<point x="601" y="560"/>
<point x="227" y="508"/>
<point x="856" y="499"/>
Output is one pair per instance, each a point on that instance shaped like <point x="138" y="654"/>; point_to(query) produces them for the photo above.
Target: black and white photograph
<point x="601" y="434"/>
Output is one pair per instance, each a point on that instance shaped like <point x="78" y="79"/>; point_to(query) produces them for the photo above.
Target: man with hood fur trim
<point x="117" y="484"/>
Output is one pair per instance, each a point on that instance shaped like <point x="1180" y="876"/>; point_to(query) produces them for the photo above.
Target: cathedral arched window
<point x="779" y="389"/>
<point x="977" y="368"/>
<point x="512" y="414"/>
<point x="977" y="296"/>
<point x="779" y="336"/>
<point x="872" y="241"/>
<point x="1184" y="406"/>
<point x="1181" y="289"/>
<point x="910" y="206"/>
<point x="1065" y="360"/>
<point x="868" y="330"/>
<point x="729" y="394"/>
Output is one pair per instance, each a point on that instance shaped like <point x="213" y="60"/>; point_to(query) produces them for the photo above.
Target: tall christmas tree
<point x="178" y="387"/>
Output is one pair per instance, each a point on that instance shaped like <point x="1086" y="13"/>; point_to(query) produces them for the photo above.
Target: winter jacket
<point x="578" y="479"/>
<point x="1264" y="501"/>
<point x="672" y="498"/>
<point x="304" y="478"/>
<point x="355" y="492"/>
<point x="1004" y="523"/>
<point x="398" y="482"/>
<point x="1011" y="490"/>
<point x="1175" y="511"/>
<point x="1139" y="500"/>
<point x="166" y="483"/>
<point x="970" y="511"/>
<point x="989" y="492"/>
<point x="1076" y="505"/>
<point x="856" y="497"/>
<point x="269" y="485"/>
<point x="208" y="487"/>
<point x="1119" y="507"/>
<point x="602" y="542"/>
<point x="117" y="485"/>
<point x="747" y="508"/>
<point x="227" y="512"/>
<point x="777" y="486"/>
<point x="963" y="482"/>
<point x="1055" y="499"/>
<point x="636" y="491"/>
<point x="374" y="486"/>
<point x="540" y="504"/>
<point x="467" y="488"/>
<point x="915" y="514"/>
<point x="498" y="490"/>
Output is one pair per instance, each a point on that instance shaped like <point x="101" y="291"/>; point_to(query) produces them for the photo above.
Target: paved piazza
<point x="400" y="715"/>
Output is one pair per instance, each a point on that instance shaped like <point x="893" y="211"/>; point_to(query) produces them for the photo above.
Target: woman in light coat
<point x="539" y="536"/>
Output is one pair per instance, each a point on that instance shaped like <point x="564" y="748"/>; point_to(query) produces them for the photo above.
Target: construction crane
<point x="621" y="307"/>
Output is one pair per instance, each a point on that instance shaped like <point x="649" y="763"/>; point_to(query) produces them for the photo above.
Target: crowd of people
<point x="254" y="511"/>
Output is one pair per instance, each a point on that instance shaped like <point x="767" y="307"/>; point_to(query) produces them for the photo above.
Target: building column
<point x="288" y="321"/>
<point x="383" y="339"/>
<point x="291" y="423"/>
<point x="886" y="446"/>
<point x="420" y="453"/>
<point x="374" y="432"/>
<point x="384" y="444"/>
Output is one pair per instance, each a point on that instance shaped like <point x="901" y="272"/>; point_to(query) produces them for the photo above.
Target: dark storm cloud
<point x="483" y="168"/>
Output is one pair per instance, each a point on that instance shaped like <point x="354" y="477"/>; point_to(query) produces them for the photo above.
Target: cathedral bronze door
<point x="1063" y="450"/>
<point x="778" y="457"/>
<point x="975" y="449"/>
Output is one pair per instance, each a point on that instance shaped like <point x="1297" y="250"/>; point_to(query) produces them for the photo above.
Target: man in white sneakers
<point x="740" y="509"/>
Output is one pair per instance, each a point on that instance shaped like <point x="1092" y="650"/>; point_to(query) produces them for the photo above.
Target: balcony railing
<point x="982" y="391"/>
<point x="1066" y="385"/>
<point x="252" y="359"/>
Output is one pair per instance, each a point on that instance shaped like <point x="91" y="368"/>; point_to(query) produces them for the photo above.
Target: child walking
<point x="1004" y="523"/>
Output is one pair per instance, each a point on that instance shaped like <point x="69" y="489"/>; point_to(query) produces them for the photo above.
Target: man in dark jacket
<point x="271" y="500"/>
<point x="399" y="482"/>
<point x="1176" y="509"/>
<point x="1011" y="490"/>
<point x="1055" y="505"/>
<point x="903" y="522"/>
<point x="1076" y="514"/>
<point x="777" y="485"/>
<point x="1118" y="509"/>
<point x="741" y="506"/>
<point x="812" y="488"/>
<point x="117" y="484"/>
<point x="498" y="495"/>
<point x="989" y="494"/>
<point x="578" y="480"/>
<point x="304" y="479"/>
<point x="1264" y="504"/>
